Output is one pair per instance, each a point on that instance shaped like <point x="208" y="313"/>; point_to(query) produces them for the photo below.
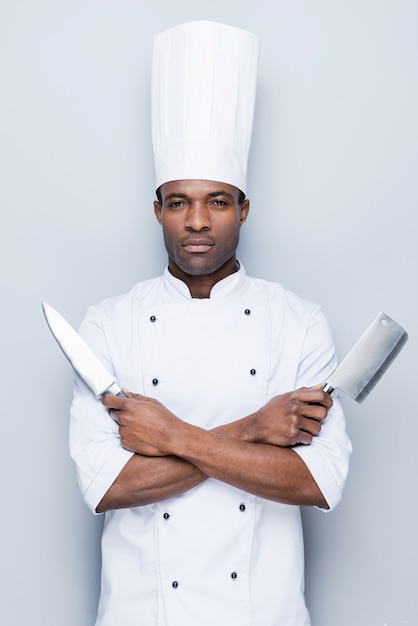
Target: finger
<point x="130" y="394"/>
<point x="314" y="395"/>
<point x="321" y="398"/>
<point x="316" y="412"/>
<point x="311" y="426"/>
<point x="113" y="402"/>
<point x="139" y="397"/>
<point x="303" y="438"/>
<point x="311" y="410"/>
<point x="325" y="398"/>
<point x="115" y="416"/>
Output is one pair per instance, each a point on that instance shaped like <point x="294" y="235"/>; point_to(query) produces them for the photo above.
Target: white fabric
<point x="203" y="97"/>
<point x="202" y="352"/>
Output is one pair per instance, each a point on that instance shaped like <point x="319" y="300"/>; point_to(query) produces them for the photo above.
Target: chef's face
<point x="201" y="220"/>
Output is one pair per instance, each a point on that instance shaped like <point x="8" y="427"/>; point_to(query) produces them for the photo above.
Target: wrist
<point x="242" y="429"/>
<point x="252" y="430"/>
<point x="185" y="439"/>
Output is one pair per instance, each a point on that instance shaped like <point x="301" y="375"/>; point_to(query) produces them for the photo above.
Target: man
<point x="201" y="474"/>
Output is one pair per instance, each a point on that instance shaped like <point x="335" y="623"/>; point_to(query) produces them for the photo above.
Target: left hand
<point x="291" y="418"/>
<point x="144" y="423"/>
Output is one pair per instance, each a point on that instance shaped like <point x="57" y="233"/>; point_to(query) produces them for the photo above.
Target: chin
<point x="200" y="266"/>
<point x="199" y="271"/>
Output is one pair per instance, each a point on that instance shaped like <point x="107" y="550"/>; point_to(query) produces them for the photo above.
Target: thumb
<point x="130" y="394"/>
<point x="139" y="397"/>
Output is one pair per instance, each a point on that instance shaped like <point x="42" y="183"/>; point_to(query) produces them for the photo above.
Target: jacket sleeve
<point x="94" y="437"/>
<point x="327" y="457"/>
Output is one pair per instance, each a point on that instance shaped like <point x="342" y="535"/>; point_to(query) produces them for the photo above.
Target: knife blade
<point x="83" y="360"/>
<point x="368" y="360"/>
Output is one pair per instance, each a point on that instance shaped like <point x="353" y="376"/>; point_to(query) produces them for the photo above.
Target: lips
<point x="197" y="244"/>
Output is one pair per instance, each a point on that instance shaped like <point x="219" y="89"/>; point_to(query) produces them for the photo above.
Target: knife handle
<point x="114" y="390"/>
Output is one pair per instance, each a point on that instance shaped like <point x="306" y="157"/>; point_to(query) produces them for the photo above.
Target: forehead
<point x="197" y="188"/>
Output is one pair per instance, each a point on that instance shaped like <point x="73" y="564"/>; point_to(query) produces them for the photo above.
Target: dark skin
<point x="201" y="231"/>
<point x="201" y="222"/>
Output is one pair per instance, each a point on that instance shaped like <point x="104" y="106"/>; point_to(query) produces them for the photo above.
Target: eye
<point x="176" y="204"/>
<point x="219" y="202"/>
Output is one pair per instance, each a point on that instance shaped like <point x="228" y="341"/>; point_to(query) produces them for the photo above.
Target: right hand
<point x="146" y="426"/>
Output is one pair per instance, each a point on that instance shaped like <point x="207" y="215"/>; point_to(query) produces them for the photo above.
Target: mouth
<point x="197" y="244"/>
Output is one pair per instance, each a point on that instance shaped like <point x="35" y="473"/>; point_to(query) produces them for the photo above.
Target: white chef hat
<point x="203" y="96"/>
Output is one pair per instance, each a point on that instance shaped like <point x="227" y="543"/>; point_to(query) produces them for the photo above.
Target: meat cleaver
<point x="369" y="359"/>
<point x="356" y="375"/>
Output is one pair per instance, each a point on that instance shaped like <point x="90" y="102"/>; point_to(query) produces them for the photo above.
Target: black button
<point x="234" y="575"/>
<point x="247" y="312"/>
<point x="174" y="584"/>
<point x="155" y="381"/>
<point x="253" y="372"/>
<point x="166" y="515"/>
<point x="242" y="507"/>
<point x="153" y="318"/>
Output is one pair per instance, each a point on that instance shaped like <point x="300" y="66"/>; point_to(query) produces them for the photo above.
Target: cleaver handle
<point x="328" y="388"/>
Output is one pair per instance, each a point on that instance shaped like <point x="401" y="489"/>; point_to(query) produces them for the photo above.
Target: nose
<point x="198" y="217"/>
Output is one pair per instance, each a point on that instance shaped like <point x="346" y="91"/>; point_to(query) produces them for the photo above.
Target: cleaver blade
<point x="369" y="358"/>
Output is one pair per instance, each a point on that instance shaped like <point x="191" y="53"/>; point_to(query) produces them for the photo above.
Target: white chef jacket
<point x="216" y="554"/>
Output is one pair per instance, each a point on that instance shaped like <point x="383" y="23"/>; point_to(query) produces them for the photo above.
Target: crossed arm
<point x="252" y="453"/>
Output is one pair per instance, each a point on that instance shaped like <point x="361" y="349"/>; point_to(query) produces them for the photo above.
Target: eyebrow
<point x="212" y="194"/>
<point x="176" y="195"/>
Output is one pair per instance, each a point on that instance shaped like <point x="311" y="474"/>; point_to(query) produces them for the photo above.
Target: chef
<point x="225" y="431"/>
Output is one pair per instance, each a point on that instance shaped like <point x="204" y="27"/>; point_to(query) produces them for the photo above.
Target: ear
<point x="244" y="210"/>
<point x="157" y="210"/>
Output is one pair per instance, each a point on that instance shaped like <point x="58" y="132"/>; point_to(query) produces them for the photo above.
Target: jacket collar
<point x="230" y="286"/>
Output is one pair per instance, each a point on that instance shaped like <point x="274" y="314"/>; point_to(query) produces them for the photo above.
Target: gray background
<point x="334" y="191"/>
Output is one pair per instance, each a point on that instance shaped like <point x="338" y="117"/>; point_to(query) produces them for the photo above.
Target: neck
<point x="200" y="286"/>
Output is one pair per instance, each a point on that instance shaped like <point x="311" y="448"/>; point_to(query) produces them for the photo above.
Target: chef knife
<point x="369" y="359"/>
<point x="82" y="358"/>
